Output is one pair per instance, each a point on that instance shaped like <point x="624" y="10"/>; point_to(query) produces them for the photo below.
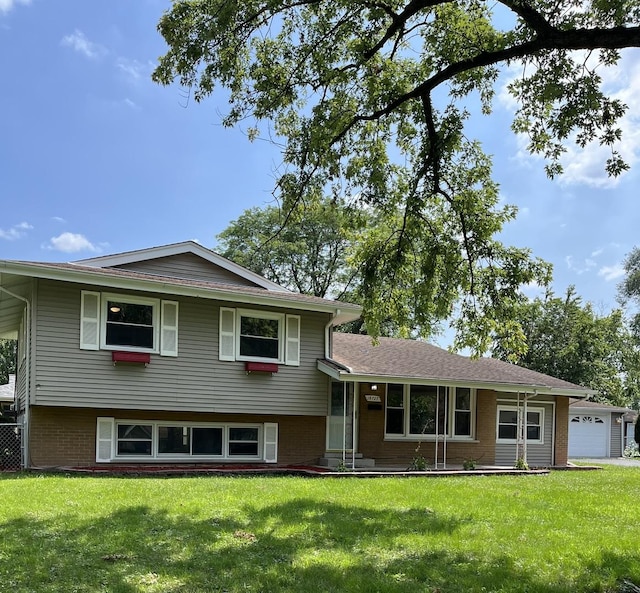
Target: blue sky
<point x="95" y="158"/>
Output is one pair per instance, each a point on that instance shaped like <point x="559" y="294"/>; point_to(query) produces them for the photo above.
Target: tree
<point x="568" y="340"/>
<point x="308" y="254"/>
<point x="370" y="102"/>
<point x="629" y="288"/>
<point x="8" y="349"/>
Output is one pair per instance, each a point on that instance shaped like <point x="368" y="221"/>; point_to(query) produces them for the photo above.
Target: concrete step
<point x="334" y="462"/>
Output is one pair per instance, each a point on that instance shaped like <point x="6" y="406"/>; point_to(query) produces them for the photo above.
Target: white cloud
<point x="610" y="273"/>
<point x="579" y="267"/>
<point x="71" y="243"/>
<point x="585" y="166"/>
<point x="133" y="68"/>
<point x="7" y="5"/>
<point x="79" y="42"/>
<point x="59" y="219"/>
<point x="15" y="232"/>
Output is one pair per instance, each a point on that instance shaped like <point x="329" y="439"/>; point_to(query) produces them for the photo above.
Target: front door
<point x="340" y="421"/>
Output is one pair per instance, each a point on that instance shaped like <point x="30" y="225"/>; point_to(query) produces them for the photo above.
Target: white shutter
<point x="90" y="321"/>
<point x="270" y="442"/>
<point x="292" y="343"/>
<point x="104" y="439"/>
<point x="227" y="345"/>
<point x="169" y="329"/>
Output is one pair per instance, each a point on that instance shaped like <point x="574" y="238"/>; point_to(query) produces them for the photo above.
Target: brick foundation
<point x="67" y="436"/>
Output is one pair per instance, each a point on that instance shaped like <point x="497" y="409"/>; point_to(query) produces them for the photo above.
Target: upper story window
<point x="426" y="410"/>
<point x="261" y="336"/>
<point x="127" y="322"/>
<point x="130" y="323"/>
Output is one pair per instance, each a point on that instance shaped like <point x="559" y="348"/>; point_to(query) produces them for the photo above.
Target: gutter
<point x="27" y="375"/>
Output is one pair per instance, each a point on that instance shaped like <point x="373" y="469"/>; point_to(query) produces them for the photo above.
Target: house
<point x="599" y="430"/>
<point x="174" y="354"/>
<point x="6" y="395"/>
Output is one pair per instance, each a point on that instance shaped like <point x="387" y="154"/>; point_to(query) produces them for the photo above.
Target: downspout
<point x="27" y="375"/>
<point x="437" y="421"/>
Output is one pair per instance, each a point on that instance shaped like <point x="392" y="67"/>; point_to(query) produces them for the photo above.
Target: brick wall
<point x="67" y="436"/>
<point x="562" y="431"/>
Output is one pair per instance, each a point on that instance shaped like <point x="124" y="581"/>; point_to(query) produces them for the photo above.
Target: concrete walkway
<point x="625" y="461"/>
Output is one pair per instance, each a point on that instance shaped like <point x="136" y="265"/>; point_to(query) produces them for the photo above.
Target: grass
<point x="565" y="532"/>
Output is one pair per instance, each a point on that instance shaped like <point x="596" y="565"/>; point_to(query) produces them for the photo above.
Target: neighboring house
<point x="176" y="355"/>
<point x="599" y="430"/>
<point x="6" y="395"/>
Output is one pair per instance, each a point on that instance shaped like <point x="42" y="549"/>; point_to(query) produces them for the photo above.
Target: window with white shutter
<point x="227" y="343"/>
<point x="90" y="320"/>
<point x="104" y="439"/>
<point x="293" y="340"/>
<point x="169" y="329"/>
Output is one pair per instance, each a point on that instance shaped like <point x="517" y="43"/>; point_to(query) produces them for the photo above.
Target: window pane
<point x="243" y="434"/>
<point x="507" y="431"/>
<point x="508" y="417"/>
<point x="129" y="335"/>
<point x="173" y="439"/>
<point x="423" y="401"/>
<point x="206" y="441"/>
<point x="337" y="399"/>
<point x="463" y="398"/>
<point x="533" y="433"/>
<point x="463" y="423"/>
<point x="129" y="313"/>
<point x="244" y="449"/>
<point x="395" y="395"/>
<point x="260" y="347"/>
<point x="134" y="447"/>
<point x="533" y="417"/>
<point x="255" y="326"/>
<point x="134" y="431"/>
<point x="395" y="421"/>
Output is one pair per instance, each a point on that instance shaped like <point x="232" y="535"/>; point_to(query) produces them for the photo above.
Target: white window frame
<point x="93" y="323"/>
<point x="518" y="410"/>
<point x="449" y="420"/>
<point x="279" y="317"/>
<point x="262" y="455"/>
<point x="131" y="300"/>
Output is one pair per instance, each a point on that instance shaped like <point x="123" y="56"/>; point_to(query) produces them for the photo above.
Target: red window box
<point x="261" y="367"/>
<point x="134" y="357"/>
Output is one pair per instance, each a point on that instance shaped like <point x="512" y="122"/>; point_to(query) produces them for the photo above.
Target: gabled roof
<point x="414" y="361"/>
<point x="139" y="255"/>
<point x="583" y="405"/>
<point x="15" y="284"/>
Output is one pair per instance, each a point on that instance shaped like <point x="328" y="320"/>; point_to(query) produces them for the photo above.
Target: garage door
<point x="588" y="435"/>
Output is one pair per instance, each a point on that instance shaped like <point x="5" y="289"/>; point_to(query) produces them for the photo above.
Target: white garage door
<point x="588" y="435"/>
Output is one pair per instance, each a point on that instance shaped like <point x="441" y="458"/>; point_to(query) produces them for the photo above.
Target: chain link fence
<point x="10" y="447"/>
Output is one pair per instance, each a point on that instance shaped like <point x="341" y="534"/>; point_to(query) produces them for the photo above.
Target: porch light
<point x="114" y="309"/>
<point x="374" y="387"/>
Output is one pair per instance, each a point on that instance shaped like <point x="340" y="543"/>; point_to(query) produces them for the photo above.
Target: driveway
<point x="607" y="461"/>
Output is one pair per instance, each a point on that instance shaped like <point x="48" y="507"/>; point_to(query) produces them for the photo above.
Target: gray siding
<point x="537" y="455"/>
<point x="188" y="266"/>
<point x="615" y="444"/>
<point x="194" y="381"/>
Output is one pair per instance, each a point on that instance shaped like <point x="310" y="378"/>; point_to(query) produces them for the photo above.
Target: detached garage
<point x="596" y="430"/>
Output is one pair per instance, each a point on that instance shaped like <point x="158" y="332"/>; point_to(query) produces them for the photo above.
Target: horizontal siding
<point x="188" y="266"/>
<point x="537" y="455"/>
<point x="195" y="381"/>
<point x="615" y="444"/>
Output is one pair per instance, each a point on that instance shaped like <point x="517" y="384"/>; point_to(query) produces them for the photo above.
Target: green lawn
<point x="565" y="532"/>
